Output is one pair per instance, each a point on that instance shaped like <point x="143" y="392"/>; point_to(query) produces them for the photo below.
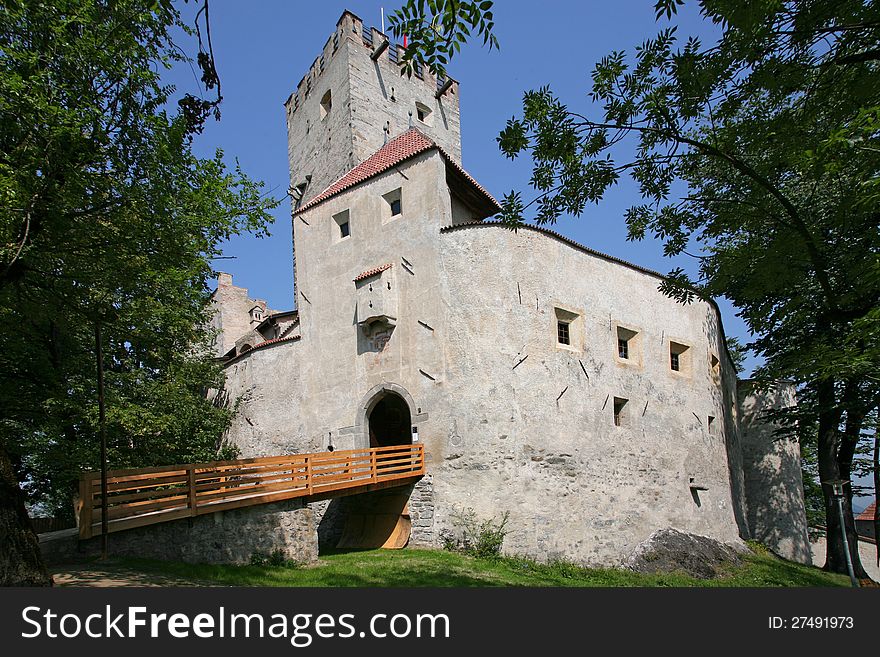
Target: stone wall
<point x="223" y="537"/>
<point x="773" y="478"/>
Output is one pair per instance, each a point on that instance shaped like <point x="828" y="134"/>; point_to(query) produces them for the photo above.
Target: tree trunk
<point x="877" y="490"/>
<point x="21" y="563"/>
<point x="830" y="414"/>
<point x="852" y="433"/>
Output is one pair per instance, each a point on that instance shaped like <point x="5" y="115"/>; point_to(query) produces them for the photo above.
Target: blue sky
<point x="264" y="48"/>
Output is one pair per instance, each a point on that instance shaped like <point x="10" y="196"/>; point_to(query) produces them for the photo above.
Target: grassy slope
<point x="412" y="567"/>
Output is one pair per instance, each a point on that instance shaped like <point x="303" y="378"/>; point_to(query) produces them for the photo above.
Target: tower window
<point x="423" y="113"/>
<point x="343" y="225"/>
<point x="620" y="411"/>
<point x="395" y="206"/>
<point x="710" y="424"/>
<point x="562" y="333"/>
<point x="623" y="347"/>
<point x="326" y="104"/>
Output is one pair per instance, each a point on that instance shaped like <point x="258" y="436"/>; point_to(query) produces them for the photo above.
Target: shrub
<point x="275" y="558"/>
<point x="475" y="537"/>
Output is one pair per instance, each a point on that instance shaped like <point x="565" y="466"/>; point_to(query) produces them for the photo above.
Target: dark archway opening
<point x="390" y="422"/>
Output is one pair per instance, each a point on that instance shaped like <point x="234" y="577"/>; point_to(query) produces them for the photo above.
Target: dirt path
<point x="107" y="575"/>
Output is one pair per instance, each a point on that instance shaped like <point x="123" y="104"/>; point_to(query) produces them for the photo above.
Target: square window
<point x="562" y="334"/>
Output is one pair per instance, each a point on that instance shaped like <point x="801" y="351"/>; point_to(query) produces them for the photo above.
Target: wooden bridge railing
<point x="146" y="496"/>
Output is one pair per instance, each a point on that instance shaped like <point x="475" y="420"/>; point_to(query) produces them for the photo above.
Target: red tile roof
<point x="398" y="150"/>
<point x="372" y="272"/>
<point x="867" y="514"/>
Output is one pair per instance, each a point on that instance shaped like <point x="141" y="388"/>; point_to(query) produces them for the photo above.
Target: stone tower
<point x="353" y="99"/>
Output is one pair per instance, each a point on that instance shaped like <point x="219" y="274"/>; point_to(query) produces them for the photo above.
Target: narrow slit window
<point x="620" y="411"/>
<point x="326" y="104"/>
<point x="710" y="424"/>
<point x="623" y="347"/>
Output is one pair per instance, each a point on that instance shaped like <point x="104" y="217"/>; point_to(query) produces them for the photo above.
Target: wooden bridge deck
<point x="147" y="496"/>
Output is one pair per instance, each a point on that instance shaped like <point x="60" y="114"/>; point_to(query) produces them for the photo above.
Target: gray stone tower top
<point x="353" y="99"/>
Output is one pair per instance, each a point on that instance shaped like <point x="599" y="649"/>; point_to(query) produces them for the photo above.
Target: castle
<point x="545" y="380"/>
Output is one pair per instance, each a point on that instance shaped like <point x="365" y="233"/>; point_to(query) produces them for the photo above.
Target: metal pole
<point x="849" y="565"/>
<point x="99" y="353"/>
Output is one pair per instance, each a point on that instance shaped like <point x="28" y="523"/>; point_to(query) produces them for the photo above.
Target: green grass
<point x="416" y="568"/>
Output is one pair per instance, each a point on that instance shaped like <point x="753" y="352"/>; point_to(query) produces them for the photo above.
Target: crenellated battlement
<point x="351" y="27"/>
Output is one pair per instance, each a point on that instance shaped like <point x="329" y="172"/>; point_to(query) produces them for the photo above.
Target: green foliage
<point x="436" y="29"/>
<point x="738" y="353"/>
<point x="475" y="537"/>
<point x="107" y="217"/>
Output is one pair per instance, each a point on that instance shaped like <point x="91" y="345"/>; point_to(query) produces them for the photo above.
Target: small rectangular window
<point x="395" y="203"/>
<point x="679" y="357"/>
<point x="343" y="225"/>
<point x="710" y="424"/>
<point x="423" y="113"/>
<point x="569" y="329"/>
<point x="628" y="343"/>
<point x="562" y="333"/>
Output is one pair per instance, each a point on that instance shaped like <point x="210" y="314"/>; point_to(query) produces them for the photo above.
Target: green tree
<point x="758" y="150"/>
<point x="107" y="218"/>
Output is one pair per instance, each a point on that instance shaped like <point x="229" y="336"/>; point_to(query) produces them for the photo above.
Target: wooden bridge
<point x="147" y="496"/>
